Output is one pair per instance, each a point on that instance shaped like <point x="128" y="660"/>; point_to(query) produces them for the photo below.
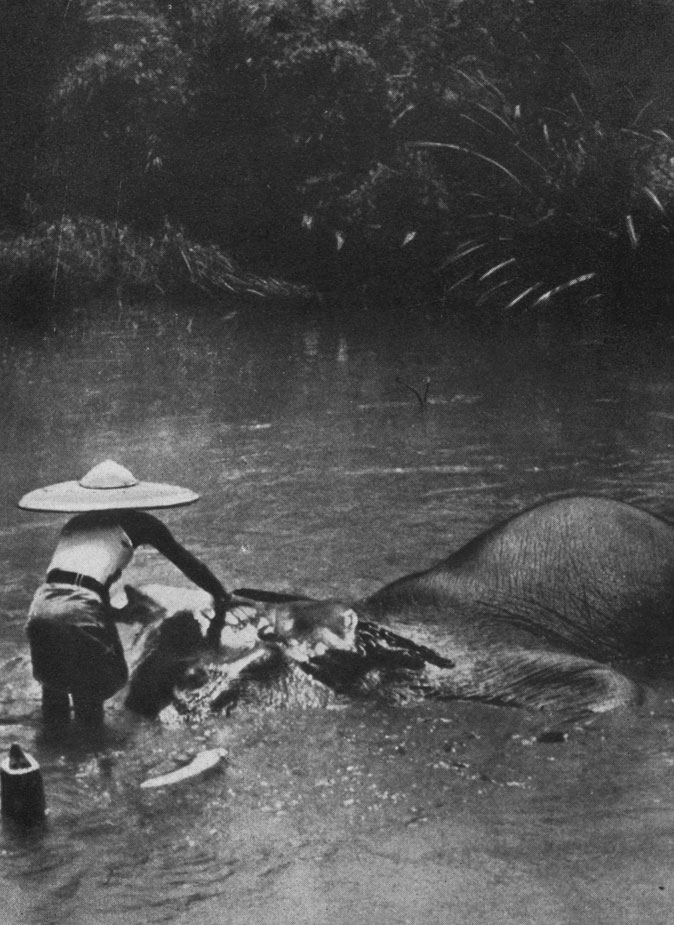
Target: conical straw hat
<point x="106" y="487"/>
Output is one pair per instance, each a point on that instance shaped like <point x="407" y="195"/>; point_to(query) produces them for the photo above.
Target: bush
<point x="86" y="255"/>
<point x="513" y="151"/>
<point x="553" y="203"/>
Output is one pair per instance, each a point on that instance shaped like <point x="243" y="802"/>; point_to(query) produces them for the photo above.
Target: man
<point x="75" y="646"/>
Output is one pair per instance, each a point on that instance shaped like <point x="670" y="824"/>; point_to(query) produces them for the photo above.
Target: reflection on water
<point x="319" y="472"/>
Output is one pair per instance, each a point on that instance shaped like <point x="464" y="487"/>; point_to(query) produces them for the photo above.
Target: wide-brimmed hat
<point x="106" y="487"/>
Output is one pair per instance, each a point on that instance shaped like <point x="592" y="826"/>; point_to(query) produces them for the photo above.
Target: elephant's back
<point x="574" y="537"/>
<point x="591" y="574"/>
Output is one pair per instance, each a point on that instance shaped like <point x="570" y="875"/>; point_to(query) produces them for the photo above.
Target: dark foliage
<point x="502" y="154"/>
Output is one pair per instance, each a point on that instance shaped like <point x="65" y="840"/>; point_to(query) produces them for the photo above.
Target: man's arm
<point x="145" y="530"/>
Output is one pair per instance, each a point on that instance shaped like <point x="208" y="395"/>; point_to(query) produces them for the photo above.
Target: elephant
<point x="292" y="651"/>
<point x="563" y="608"/>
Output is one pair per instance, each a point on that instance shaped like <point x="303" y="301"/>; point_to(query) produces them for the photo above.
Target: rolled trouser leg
<point x="103" y="673"/>
<point x="88" y="712"/>
<point x="55" y="706"/>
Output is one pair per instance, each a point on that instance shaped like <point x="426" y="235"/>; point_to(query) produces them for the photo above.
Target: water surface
<point x="320" y="472"/>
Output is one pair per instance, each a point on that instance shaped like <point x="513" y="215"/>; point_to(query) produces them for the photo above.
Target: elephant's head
<point x="309" y="629"/>
<point x="171" y="662"/>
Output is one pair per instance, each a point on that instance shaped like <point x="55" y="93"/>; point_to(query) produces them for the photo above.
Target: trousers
<point x="74" y="643"/>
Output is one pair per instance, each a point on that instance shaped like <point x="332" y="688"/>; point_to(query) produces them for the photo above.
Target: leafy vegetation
<point x="503" y="154"/>
<point x="69" y="256"/>
<point x="558" y="205"/>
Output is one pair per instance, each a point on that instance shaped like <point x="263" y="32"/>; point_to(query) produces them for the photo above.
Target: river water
<point x="320" y="472"/>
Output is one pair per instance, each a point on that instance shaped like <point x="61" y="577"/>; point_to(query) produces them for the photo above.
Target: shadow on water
<point x="320" y="472"/>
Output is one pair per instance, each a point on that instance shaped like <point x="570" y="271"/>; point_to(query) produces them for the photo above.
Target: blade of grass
<point x="456" y="257"/>
<point x="466" y="244"/>
<point x="632" y="232"/>
<point x="642" y="111"/>
<point x="577" y="104"/>
<point x="582" y="66"/>
<point x="531" y="158"/>
<point x="551" y="293"/>
<point x="470" y="119"/>
<point x="499" y="118"/>
<point x="651" y="195"/>
<point x="482" y="157"/>
<point x="490" y="292"/>
<point x="486" y="82"/>
<point x="634" y="134"/>
<point x="499" y="266"/>
<point x="460" y="282"/>
<point x="523" y="295"/>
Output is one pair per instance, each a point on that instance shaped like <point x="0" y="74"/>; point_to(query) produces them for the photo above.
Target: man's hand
<point x="240" y="615"/>
<point x="228" y="611"/>
<point x="220" y="605"/>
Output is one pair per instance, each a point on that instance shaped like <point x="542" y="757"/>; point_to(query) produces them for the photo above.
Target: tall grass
<point x="69" y="256"/>
<point x="555" y="205"/>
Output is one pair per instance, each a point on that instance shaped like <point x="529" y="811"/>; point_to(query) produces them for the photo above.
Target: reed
<point x="555" y="206"/>
<point x="78" y="256"/>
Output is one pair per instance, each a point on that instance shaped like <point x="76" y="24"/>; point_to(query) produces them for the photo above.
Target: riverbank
<point x="495" y="157"/>
<point x="72" y="258"/>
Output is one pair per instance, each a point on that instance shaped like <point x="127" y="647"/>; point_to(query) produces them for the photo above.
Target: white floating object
<point x="203" y="762"/>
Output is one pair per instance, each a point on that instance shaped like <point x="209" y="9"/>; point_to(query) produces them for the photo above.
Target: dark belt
<point x="59" y="577"/>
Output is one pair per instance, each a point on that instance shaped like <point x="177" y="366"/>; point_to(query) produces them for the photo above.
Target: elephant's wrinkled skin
<point x="546" y="611"/>
<point x="549" y="608"/>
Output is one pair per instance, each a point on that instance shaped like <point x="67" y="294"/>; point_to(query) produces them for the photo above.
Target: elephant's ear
<point x="139" y="608"/>
<point x="567" y="686"/>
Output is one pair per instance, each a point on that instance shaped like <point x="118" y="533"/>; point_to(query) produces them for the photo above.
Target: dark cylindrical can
<point x="22" y="795"/>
